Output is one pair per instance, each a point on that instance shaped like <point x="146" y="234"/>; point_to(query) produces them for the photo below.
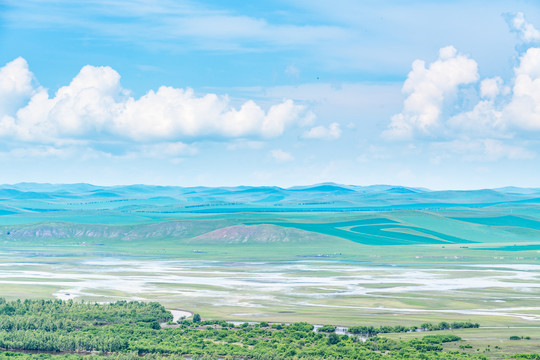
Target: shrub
<point x="327" y="328"/>
<point x="155" y="325"/>
<point x="333" y="338"/>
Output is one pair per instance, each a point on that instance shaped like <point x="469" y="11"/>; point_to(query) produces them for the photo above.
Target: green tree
<point x="333" y="339"/>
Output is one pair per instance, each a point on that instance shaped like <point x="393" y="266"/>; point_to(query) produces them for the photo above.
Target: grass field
<point x="471" y="263"/>
<point x="235" y="283"/>
<point x="494" y="343"/>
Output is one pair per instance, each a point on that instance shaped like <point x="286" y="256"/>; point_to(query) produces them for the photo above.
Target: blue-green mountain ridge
<point x="371" y="215"/>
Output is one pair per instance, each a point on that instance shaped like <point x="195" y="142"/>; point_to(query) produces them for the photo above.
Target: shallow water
<point x="179" y="314"/>
<point x="507" y="290"/>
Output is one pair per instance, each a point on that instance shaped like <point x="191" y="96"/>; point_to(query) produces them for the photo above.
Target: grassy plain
<point x="237" y="283"/>
<point x="494" y="343"/>
<point x="344" y="268"/>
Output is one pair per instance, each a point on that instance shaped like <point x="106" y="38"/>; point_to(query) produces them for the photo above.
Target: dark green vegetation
<point x="385" y="329"/>
<point x="128" y="330"/>
<point x="55" y="325"/>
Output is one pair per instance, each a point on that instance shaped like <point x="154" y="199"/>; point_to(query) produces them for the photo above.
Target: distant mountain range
<point x="27" y="198"/>
<point x="377" y="214"/>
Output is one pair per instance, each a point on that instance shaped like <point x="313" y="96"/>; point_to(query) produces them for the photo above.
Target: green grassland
<point x="493" y="343"/>
<point x="344" y="257"/>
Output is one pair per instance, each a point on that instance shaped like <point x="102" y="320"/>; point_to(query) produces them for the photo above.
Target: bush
<point x="327" y="328"/>
<point x="155" y="325"/>
<point x="333" y="339"/>
<point x="438" y="339"/>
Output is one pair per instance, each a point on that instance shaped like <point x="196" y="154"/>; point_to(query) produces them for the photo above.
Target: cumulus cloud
<point x="16" y="85"/>
<point x="490" y="88"/>
<point x="483" y="120"/>
<point x="426" y="89"/>
<point x="504" y="111"/>
<point x="95" y="107"/>
<point x="525" y="31"/>
<point x="500" y="111"/>
<point x="523" y="111"/>
<point x="486" y="121"/>
<point x="281" y="156"/>
<point x="332" y="132"/>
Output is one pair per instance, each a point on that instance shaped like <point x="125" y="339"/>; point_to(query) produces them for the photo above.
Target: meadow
<point x="230" y="258"/>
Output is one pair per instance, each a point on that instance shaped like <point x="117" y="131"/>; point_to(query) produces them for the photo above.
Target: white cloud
<point x="503" y="111"/>
<point x="332" y="132"/>
<point x="237" y="31"/>
<point x="192" y="24"/>
<point x="243" y="144"/>
<point x="486" y="122"/>
<point x="165" y="150"/>
<point x="484" y="149"/>
<point x="490" y="88"/>
<point x="40" y="151"/>
<point x="15" y="85"/>
<point x="427" y="89"/>
<point x="483" y="120"/>
<point x="525" y="30"/>
<point x="500" y="109"/>
<point x="84" y="108"/>
<point x="523" y="111"/>
<point x="281" y="156"/>
<point x="95" y="107"/>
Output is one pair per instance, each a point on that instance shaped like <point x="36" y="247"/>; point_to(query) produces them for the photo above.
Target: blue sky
<point x="439" y="94"/>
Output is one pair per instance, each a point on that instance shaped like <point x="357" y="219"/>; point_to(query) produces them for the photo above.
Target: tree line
<point x="68" y="330"/>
